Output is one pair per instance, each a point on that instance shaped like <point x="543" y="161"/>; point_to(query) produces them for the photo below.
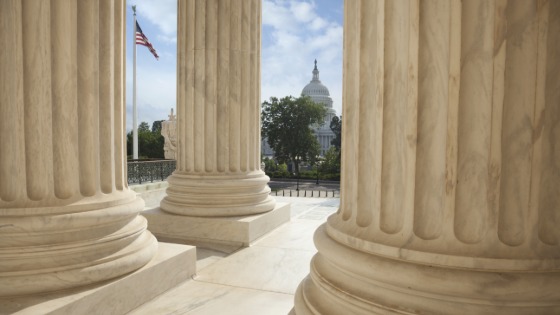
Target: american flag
<point x="143" y="40"/>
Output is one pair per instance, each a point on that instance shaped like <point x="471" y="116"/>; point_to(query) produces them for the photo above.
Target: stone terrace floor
<point x="260" y="279"/>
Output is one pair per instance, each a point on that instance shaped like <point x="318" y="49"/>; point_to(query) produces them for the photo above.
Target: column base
<point x="344" y="280"/>
<point x="97" y="240"/>
<point x="117" y="296"/>
<point x="218" y="195"/>
<point x="225" y="234"/>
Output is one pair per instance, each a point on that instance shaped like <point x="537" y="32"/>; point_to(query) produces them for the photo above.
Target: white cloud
<point x="155" y="93"/>
<point x="294" y="34"/>
<point x="162" y="13"/>
<point x="303" y="11"/>
<point x="167" y="39"/>
<point x="278" y="16"/>
<point x="318" y="23"/>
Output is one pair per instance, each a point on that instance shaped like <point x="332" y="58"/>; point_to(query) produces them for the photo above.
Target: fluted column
<point x="451" y="162"/>
<point x="67" y="217"/>
<point x="218" y="108"/>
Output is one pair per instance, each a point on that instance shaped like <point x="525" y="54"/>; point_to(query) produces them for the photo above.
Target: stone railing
<point x="140" y="172"/>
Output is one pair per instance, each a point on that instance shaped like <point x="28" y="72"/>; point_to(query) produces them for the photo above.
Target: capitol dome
<point x="320" y="94"/>
<point x="317" y="91"/>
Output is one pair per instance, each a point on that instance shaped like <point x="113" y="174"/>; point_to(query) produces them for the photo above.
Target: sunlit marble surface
<point x="173" y="265"/>
<point x="222" y="233"/>
<point x="260" y="279"/>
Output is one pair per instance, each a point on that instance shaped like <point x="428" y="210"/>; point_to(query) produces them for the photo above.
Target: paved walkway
<point x="261" y="279"/>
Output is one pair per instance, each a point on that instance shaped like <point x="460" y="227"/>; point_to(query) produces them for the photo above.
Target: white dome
<point x="317" y="91"/>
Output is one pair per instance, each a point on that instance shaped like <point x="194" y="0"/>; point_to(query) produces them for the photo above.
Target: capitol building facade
<point x="318" y="93"/>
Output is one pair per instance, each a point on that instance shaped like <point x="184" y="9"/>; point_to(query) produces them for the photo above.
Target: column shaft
<point x="67" y="217"/>
<point x="218" y="109"/>
<point x="450" y="183"/>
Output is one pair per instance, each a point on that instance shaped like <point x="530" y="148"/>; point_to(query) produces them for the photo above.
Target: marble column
<point x="451" y="162"/>
<point x="218" y="112"/>
<point x="67" y="217"/>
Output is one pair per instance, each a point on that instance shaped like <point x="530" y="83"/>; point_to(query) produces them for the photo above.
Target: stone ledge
<point x="225" y="234"/>
<point x="117" y="296"/>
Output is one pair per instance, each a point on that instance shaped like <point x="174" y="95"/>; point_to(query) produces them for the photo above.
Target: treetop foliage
<point x="150" y="141"/>
<point x="143" y="127"/>
<point x="331" y="161"/>
<point x="336" y="127"/>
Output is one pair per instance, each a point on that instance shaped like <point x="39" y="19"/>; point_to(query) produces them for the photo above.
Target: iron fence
<point x="140" y="172"/>
<point x="306" y="193"/>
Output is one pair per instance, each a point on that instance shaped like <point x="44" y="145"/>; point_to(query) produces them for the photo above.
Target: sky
<point x="294" y="34"/>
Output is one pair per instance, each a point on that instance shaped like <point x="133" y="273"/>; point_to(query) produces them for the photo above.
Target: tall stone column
<point x="218" y="196"/>
<point x="67" y="217"/>
<point x="218" y="112"/>
<point x="451" y="162"/>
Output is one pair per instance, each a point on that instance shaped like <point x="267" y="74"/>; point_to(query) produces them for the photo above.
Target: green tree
<point x="150" y="141"/>
<point x="143" y="127"/>
<point x="286" y="124"/>
<point x="157" y="141"/>
<point x="156" y="126"/>
<point x="270" y="165"/>
<point x="336" y="127"/>
<point x="331" y="162"/>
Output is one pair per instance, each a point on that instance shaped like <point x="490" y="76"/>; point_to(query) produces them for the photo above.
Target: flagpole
<point x="134" y="113"/>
